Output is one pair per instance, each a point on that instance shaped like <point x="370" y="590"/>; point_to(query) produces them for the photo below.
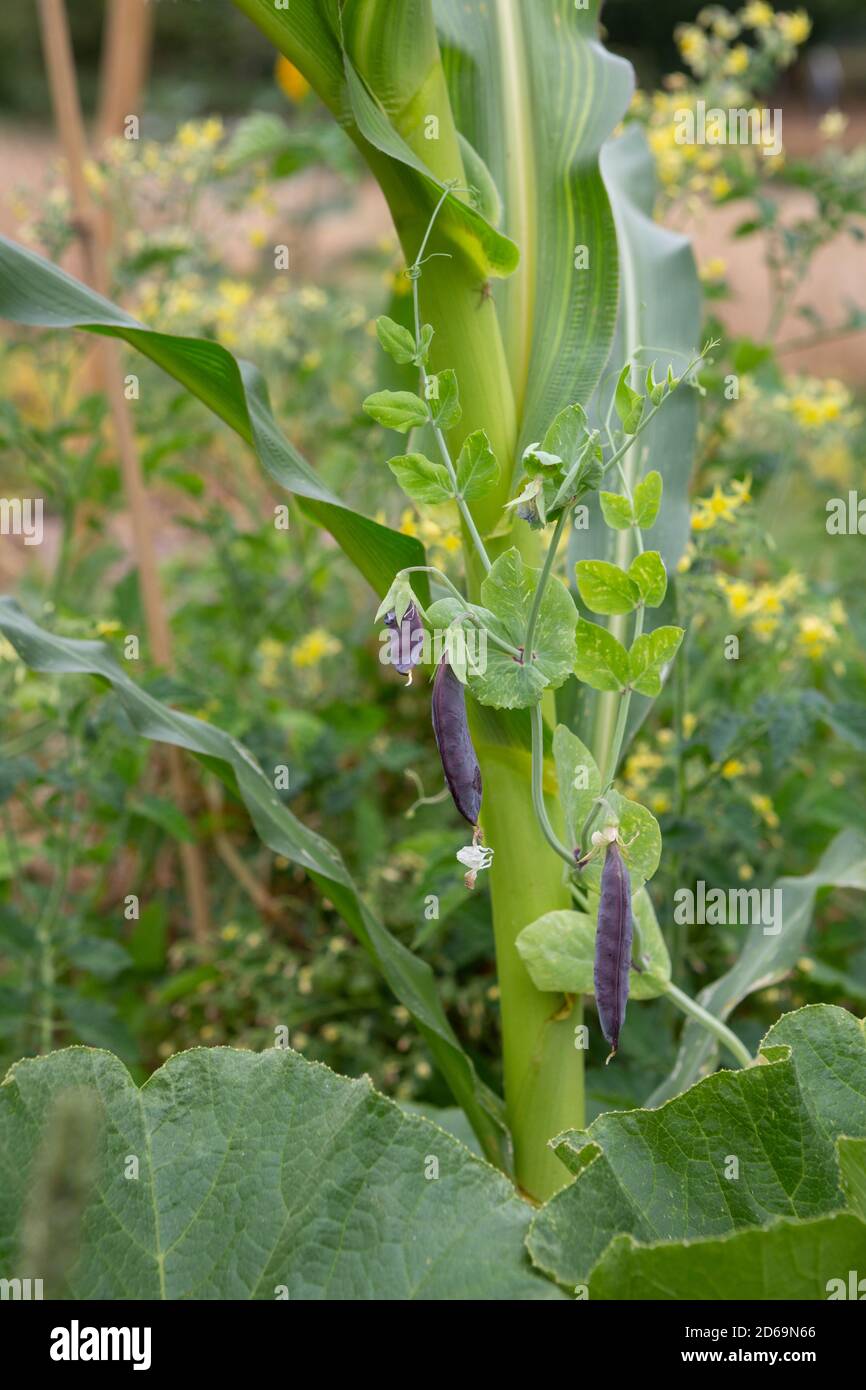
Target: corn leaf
<point x="407" y="975"/>
<point x="33" y="291"/>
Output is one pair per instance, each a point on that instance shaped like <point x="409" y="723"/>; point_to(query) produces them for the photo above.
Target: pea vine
<point x="536" y="639"/>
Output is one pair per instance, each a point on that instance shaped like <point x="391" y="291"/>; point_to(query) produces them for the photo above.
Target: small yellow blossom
<point x="690" y="723"/>
<point x="745" y="872"/>
<point x="313" y="648"/>
<point x="108" y="629"/>
<point x="738" y="594"/>
<point x="795" y="27"/>
<point x="312" y="297"/>
<point x="230" y="932"/>
<point x="660" y="803"/>
<point x="408" y="524"/>
<point x="737" y="60"/>
<point x="757" y="15"/>
<point x="733" y="768"/>
<point x="763" y="805"/>
<point x="693" y="45"/>
<point x="714" y="269"/>
<point x="666" y="737"/>
<point x="815" y="635"/>
<point x="720" y="187"/>
<point x="833" y="124"/>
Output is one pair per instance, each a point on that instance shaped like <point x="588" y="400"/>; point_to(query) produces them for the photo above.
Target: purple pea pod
<point x="613" y="946"/>
<point x="459" y="762"/>
<point x="407" y="640"/>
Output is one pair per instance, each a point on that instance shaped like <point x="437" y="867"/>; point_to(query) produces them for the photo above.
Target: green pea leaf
<point x="647" y="499"/>
<point x="567" y="435"/>
<point x="558" y="951"/>
<point x="606" y="588"/>
<point x="578" y="778"/>
<point x="601" y="661"/>
<point x="477" y="468"/>
<point x="397" y="341"/>
<point x="649" y="653"/>
<point x="616" y="510"/>
<point x="397" y="410"/>
<point x="422" y="480"/>
<point x="508" y="591"/>
<point x="629" y="403"/>
<point x="649" y="574"/>
<point x="444" y="399"/>
<point x="640" y="834"/>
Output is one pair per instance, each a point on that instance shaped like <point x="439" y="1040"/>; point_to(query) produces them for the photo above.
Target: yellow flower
<point x="745" y="872"/>
<point x="733" y="768"/>
<point x="313" y="648"/>
<point x="765" y="627"/>
<point x="720" y="505"/>
<point x="757" y="15"/>
<point x="230" y="932"/>
<point x="764" y="807"/>
<point x="833" y="124"/>
<point x="291" y="82"/>
<point x="257" y="237"/>
<point x="738" y="594"/>
<point x="737" y="60"/>
<point x="235" y="292"/>
<point x="714" y="269"/>
<point x="720" y="187"/>
<point x="815" y="635"/>
<point x="312" y="297"/>
<point x="666" y="737"/>
<point x="660" y="803"/>
<point x="795" y="27"/>
<point x="690" y="723"/>
<point x="107" y="629"/>
<point x="408" y="524"/>
<point x="692" y="43"/>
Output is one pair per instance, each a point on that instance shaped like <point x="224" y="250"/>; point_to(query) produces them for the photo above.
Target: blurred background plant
<point x="751" y="764"/>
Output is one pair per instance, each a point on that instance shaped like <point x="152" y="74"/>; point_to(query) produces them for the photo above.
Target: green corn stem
<point x="543" y="1069"/>
<point x="542" y="1065"/>
<point x="441" y="443"/>
<point x="714" y="1025"/>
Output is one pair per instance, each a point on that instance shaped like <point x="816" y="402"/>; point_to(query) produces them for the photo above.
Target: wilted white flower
<point x="476" y="858"/>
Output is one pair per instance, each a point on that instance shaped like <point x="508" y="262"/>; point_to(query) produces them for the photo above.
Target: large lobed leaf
<point x="261" y="1176"/>
<point x="408" y="976"/>
<point x="665" y="1175"/>
<point x="33" y="291"/>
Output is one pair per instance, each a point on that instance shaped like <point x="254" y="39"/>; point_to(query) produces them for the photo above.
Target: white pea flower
<point x="476" y="858"/>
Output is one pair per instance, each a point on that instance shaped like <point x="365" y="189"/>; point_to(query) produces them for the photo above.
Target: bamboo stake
<point x="125" y="60"/>
<point x="60" y="65"/>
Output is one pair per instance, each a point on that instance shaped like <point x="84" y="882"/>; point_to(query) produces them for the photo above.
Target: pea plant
<point x="549" y="374"/>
